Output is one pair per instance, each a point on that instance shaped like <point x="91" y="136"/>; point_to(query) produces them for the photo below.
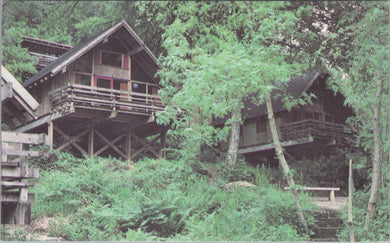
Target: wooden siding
<point x="42" y="92"/>
<point x="110" y="71"/>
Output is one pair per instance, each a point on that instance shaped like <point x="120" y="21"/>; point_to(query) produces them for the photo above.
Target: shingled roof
<point x="294" y="88"/>
<point x="132" y="40"/>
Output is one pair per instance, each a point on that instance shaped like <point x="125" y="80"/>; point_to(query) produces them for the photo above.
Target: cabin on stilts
<point x="17" y="106"/>
<point x="98" y="98"/>
<point x="304" y="128"/>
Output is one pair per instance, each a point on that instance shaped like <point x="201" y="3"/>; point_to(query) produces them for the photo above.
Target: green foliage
<point x="379" y="227"/>
<point x="327" y="168"/>
<point x="217" y="54"/>
<point x="101" y="199"/>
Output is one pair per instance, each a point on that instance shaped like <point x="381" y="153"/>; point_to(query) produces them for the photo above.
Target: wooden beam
<point x="19" y="172"/>
<point x="26" y="153"/>
<point x="15" y="137"/>
<point x="146" y="145"/>
<point x="128" y="144"/>
<point x="71" y="140"/>
<point x="162" y="142"/>
<point x="143" y="149"/>
<point x="13" y="197"/>
<point x="39" y="122"/>
<point x="136" y="50"/>
<point x="110" y="144"/>
<point x="262" y="147"/>
<point x="18" y="184"/>
<point x="50" y="133"/>
<point x="91" y="139"/>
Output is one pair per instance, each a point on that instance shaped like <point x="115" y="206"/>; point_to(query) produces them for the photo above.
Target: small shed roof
<point x="144" y="56"/>
<point x="45" y="46"/>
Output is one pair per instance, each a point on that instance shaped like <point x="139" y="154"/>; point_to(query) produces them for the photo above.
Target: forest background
<point x="273" y="40"/>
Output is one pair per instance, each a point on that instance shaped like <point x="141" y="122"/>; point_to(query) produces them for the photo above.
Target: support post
<point x="50" y="133"/>
<point x="128" y="145"/>
<point x="23" y="214"/>
<point x="91" y="140"/>
<point x="163" y="141"/>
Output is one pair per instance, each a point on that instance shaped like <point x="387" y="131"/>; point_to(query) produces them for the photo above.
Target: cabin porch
<point x="106" y="99"/>
<point x="301" y="132"/>
<point x="95" y="121"/>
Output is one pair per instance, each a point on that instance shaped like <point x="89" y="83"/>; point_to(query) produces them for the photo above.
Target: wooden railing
<point x="315" y="128"/>
<point x="91" y="97"/>
<point x="15" y="174"/>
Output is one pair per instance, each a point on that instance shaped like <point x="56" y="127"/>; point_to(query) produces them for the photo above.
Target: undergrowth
<point x="103" y="199"/>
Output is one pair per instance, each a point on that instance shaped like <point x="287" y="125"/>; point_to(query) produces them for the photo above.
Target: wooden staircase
<point x="328" y="225"/>
<point x="328" y="218"/>
<point x="16" y="174"/>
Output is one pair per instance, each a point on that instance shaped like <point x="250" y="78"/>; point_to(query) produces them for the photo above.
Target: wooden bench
<point x="330" y="189"/>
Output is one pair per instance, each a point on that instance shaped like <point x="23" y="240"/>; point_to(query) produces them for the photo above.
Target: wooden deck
<point x="302" y="132"/>
<point x="95" y="98"/>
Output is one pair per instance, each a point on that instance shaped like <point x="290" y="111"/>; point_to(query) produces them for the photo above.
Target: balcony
<point x="97" y="98"/>
<point x="314" y="128"/>
<point x="298" y="133"/>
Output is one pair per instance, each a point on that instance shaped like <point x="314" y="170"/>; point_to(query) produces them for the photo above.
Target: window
<point x="112" y="59"/>
<point x="83" y="79"/>
<point x="120" y="84"/>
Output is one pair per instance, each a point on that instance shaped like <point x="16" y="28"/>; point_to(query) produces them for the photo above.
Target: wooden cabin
<point x="302" y="128"/>
<point x="99" y="97"/>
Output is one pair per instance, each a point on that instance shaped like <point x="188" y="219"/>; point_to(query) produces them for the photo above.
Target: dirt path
<point x="323" y="202"/>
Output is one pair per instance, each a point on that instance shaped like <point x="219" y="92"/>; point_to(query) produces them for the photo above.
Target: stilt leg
<point x="128" y="146"/>
<point x="91" y="140"/>
<point x="50" y="133"/>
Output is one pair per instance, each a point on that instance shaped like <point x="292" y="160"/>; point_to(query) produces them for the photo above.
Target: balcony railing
<point x="315" y="128"/>
<point x="96" y="98"/>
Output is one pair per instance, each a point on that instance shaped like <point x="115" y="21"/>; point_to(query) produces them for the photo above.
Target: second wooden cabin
<point x="320" y="123"/>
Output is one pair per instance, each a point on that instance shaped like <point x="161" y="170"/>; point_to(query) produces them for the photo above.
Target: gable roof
<point x="296" y="87"/>
<point x="125" y="32"/>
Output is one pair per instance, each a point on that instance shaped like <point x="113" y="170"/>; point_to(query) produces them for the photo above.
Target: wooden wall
<point x="116" y="72"/>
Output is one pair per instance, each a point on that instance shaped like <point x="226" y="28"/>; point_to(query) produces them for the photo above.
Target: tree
<point x="212" y="66"/>
<point x="282" y="160"/>
<point x="350" y="42"/>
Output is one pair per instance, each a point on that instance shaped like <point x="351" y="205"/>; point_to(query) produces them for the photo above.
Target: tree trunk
<point x="377" y="156"/>
<point x="282" y="160"/>
<point x="388" y="110"/>
<point x="234" y="138"/>
<point x="350" y="197"/>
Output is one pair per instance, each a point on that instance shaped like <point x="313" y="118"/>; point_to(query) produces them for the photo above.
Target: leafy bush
<point x="159" y="200"/>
